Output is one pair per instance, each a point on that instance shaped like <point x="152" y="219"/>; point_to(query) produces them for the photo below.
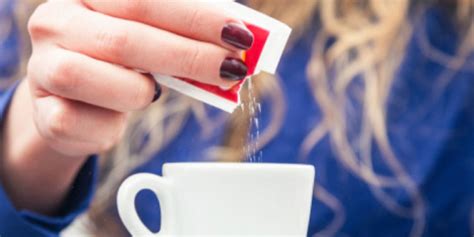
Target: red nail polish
<point x="237" y="35"/>
<point x="233" y="69"/>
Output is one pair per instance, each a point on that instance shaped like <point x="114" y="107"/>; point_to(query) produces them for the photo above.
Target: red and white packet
<point x="270" y="38"/>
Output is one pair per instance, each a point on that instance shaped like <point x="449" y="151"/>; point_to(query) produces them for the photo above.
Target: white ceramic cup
<point x="223" y="199"/>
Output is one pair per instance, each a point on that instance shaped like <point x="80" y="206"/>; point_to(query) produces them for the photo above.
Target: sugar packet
<point x="270" y="38"/>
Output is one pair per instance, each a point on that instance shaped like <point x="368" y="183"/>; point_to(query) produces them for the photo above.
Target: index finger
<point x="199" y="20"/>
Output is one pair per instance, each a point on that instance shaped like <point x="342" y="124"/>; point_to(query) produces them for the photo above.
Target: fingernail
<point x="237" y="35"/>
<point x="157" y="92"/>
<point x="233" y="69"/>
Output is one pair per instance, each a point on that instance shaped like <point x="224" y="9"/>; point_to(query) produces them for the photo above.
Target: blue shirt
<point x="432" y="136"/>
<point x="9" y="45"/>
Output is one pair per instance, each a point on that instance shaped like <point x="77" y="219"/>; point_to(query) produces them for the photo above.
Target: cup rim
<point x="237" y="165"/>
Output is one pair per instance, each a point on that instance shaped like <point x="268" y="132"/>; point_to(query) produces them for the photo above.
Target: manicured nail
<point x="237" y="35"/>
<point x="157" y="92"/>
<point x="233" y="69"/>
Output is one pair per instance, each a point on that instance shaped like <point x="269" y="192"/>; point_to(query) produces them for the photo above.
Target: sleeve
<point x="15" y="222"/>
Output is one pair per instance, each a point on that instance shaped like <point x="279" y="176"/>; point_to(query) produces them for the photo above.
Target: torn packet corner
<point x="270" y="39"/>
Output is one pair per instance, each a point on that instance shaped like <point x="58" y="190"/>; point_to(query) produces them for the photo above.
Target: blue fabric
<point x="9" y="43"/>
<point x="432" y="135"/>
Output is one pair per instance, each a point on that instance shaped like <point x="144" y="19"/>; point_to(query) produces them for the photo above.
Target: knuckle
<point x="112" y="43"/>
<point x="61" y="76"/>
<point x="52" y="17"/>
<point x="193" y="20"/>
<point x="38" y="23"/>
<point x="190" y="64"/>
<point x="59" y="122"/>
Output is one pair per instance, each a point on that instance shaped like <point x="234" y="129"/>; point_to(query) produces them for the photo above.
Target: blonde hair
<point x="370" y="37"/>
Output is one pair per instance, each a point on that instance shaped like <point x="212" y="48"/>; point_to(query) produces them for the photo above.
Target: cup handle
<point x="126" y="204"/>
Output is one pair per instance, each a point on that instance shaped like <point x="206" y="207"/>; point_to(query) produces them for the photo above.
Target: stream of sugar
<point x="252" y="148"/>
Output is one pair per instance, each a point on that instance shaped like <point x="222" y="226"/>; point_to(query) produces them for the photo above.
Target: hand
<point x="81" y="74"/>
<point x="82" y="80"/>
